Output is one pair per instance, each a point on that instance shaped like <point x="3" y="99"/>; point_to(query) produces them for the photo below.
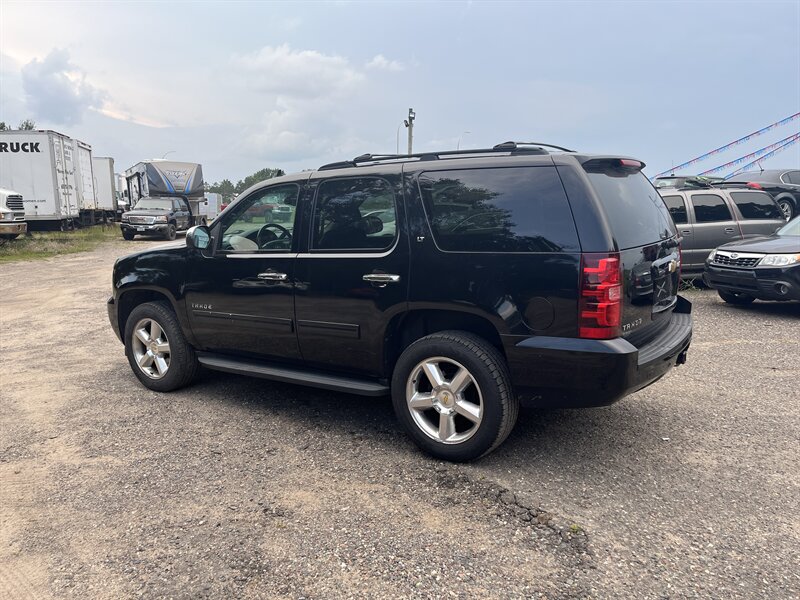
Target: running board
<point x="316" y="379"/>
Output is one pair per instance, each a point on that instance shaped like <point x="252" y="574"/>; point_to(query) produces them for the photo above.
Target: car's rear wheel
<point x="157" y="350"/>
<point x="787" y="208"/>
<point x="452" y="393"/>
<point x="735" y="298"/>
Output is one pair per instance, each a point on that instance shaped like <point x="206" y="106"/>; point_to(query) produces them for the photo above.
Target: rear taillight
<point x="600" y="303"/>
<point x="754" y="186"/>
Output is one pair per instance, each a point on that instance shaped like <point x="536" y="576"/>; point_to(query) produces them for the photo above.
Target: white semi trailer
<point x="84" y="183"/>
<point x="105" y="186"/>
<point x="40" y="166"/>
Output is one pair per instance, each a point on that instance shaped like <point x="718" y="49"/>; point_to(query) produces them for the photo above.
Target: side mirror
<point x="198" y="237"/>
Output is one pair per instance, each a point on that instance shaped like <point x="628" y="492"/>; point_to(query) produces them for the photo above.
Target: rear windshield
<point x="756" y="205"/>
<point x="636" y="212"/>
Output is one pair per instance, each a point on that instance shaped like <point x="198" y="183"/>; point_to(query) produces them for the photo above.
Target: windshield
<point x="151" y="203"/>
<point x="791" y="228"/>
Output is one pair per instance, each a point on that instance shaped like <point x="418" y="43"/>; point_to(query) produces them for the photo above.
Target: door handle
<point x="383" y="278"/>
<point x="686" y="232"/>
<point x="272" y="276"/>
<point x="729" y="230"/>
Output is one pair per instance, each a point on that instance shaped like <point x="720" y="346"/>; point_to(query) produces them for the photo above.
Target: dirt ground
<point x="239" y="487"/>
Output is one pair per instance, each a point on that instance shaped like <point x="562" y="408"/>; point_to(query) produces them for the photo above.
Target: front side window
<point x="356" y="213"/>
<point x="710" y="208"/>
<point x="677" y="209"/>
<point x="264" y="221"/>
<point x="512" y="209"/>
<point x="756" y="205"/>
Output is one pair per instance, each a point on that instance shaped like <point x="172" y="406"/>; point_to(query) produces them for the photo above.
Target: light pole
<point x="410" y="124"/>
<point x="169" y="152"/>
<point x="397" y="148"/>
<point x="458" y="146"/>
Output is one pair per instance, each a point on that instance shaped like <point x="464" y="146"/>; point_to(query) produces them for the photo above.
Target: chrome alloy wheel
<point x="444" y="400"/>
<point x="151" y="348"/>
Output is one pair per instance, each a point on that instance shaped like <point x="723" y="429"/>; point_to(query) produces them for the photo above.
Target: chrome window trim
<point x="741" y="254"/>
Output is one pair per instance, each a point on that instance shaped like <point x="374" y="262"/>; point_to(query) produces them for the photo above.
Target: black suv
<point x="459" y="282"/>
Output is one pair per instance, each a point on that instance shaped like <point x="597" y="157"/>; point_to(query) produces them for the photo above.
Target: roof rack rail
<point x="514" y="148"/>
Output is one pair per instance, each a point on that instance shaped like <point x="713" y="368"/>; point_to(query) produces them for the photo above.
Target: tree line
<point x="228" y="190"/>
<point x="26" y="125"/>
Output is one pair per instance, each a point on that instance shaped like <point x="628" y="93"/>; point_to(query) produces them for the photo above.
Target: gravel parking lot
<point x="242" y="487"/>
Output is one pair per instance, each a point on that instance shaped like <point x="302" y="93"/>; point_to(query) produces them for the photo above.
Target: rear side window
<point x="710" y="208"/>
<point x="677" y="209"/>
<point x="514" y="209"/>
<point x="354" y="214"/>
<point x="756" y="205"/>
<point x="792" y="177"/>
<point x="636" y="212"/>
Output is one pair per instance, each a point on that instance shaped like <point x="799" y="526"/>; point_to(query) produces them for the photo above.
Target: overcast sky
<point x="242" y="86"/>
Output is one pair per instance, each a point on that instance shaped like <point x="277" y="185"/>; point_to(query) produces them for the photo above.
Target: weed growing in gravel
<point x="44" y="244"/>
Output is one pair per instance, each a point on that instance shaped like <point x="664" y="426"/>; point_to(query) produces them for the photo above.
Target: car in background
<point x="764" y="268"/>
<point x="782" y="184"/>
<point x="687" y="181"/>
<point x="709" y="217"/>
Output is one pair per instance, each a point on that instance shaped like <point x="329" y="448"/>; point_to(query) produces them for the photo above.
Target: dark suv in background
<point x="459" y="282"/>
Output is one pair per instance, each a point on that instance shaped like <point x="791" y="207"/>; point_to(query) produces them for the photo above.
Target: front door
<point x="241" y="297"/>
<point x="353" y="278"/>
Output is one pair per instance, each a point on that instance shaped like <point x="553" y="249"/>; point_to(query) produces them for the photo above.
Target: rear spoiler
<point x="615" y="163"/>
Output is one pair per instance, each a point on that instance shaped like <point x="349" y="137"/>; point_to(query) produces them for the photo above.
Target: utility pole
<point x="410" y="124"/>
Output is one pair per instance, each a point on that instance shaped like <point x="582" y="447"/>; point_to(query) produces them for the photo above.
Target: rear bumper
<point x="571" y="372"/>
<point x="13" y="228"/>
<point x="765" y="284"/>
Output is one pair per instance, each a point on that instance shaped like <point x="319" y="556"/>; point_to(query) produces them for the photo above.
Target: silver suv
<point x="707" y="218"/>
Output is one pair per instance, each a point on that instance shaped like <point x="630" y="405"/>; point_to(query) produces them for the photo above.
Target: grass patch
<point x="45" y="244"/>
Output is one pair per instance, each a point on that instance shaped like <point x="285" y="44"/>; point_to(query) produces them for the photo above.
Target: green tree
<point x="257" y="177"/>
<point x="27" y="125"/>
<point x="4" y="127"/>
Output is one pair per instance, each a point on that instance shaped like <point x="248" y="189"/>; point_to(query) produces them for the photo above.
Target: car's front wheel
<point x="128" y="235"/>
<point x="157" y="350"/>
<point x="172" y="232"/>
<point x="452" y="393"/>
<point x="736" y="298"/>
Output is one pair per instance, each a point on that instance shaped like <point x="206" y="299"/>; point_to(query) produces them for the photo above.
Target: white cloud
<point x="57" y="90"/>
<point x="380" y="62"/>
<point x="298" y="73"/>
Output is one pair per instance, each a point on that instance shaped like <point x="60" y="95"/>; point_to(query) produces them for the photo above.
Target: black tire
<point x="788" y="208"/>
<point x="172" y="232"/>
<point x="183" y="366"/>
<point x="489" y="373"/>
<point x="128" y="235"/>
<point x="735" y="298"/>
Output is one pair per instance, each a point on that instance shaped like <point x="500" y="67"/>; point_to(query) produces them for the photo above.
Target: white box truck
<point x="40" y="166"/>
<point x="210" y="208"/>
<point x="105" y="186"/>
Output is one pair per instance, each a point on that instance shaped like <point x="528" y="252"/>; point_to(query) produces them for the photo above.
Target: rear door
<point x="714" y="224"/>
<point x="353" y="277"/>
<point x="759" y="213"/>
<point x="647" y="240"/>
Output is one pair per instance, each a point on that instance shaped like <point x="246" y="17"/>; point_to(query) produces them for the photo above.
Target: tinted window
<point x="636" y="212"/>
<point x="756" y="205"/>
<point x="352" y="214"/>
<point x="263" y="221"/>
<point x="792" y="177"/>
<point x="677" y="208"/>
<point x="709" y="208"/>
<point x="517" y="209"/>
